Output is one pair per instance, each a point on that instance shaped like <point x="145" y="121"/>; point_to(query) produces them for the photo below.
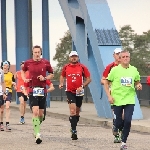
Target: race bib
<point x="80" y="93"/>
<point x="126" y="81"/>
<point x="37" y="91"/>
<point x="7" y="91"/>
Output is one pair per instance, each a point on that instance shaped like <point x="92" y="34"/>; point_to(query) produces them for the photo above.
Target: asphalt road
<point x="56" y="136"/>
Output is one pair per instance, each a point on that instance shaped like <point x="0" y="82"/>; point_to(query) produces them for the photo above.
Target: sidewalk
<point x="88" y="115"/>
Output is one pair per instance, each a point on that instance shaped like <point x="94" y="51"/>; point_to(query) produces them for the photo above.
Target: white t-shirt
<point x="1" y="81"/>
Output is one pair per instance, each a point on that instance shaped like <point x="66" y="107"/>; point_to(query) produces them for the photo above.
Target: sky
<point x="124" y="12"/>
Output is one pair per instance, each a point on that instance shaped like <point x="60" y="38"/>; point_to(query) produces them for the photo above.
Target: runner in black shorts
<point x="37" y="67"/>
<point x="74" y="72"/>
<point x="20" y="92"/>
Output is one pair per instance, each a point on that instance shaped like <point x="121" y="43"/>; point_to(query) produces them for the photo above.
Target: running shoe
<point x="123" y="147"/>
<point x="117" y="139"/>
<point x="74" y="135"/>
<point x="1" y="127"/>
<point x="38" y="139"/>
<point x="22" y="121"/>
<point x="8" y="128"/>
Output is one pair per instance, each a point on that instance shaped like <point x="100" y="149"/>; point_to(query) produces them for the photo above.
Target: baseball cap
<point x="117" y="50"/>
<point x="22" y="62"/>
<point x="73" y="53"/>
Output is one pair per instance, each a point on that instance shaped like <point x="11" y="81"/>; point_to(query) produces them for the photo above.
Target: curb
<point x="85" y="121"/>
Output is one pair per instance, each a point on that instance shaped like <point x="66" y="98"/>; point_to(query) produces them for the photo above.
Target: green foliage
<point x="138" y="46"/>
<point x="62" y="51"/>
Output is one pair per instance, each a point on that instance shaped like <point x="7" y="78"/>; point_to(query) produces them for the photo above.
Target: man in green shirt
<point x="123" y="78"/>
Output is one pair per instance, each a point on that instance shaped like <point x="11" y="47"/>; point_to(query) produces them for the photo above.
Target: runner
<point x="74" y="72"/>
<point x="9" y="82"/>
<point x="37" y="67"/>
<point x="117" y="138"/>
<point x="20" y="92"/>
<point x="2" y="98"/>
<point x="123" y="78"/>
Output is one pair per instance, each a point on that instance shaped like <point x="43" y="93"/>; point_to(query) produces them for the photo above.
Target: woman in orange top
<point x="20" y="92"/>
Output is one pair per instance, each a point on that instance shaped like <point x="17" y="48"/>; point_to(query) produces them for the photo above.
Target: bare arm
<point x="50" y="76"/>
<point x="4" y="87"/>
<point x="87" y="81"/>
<point x="61" y="82"/>
<point x="102" y="80"/>
<point x="106" y="87"/>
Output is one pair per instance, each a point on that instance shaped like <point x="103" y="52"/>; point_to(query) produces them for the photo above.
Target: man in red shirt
<point x="74" y="72"/>
<point x="105" y="75"/>
<point x="37" y="67"/>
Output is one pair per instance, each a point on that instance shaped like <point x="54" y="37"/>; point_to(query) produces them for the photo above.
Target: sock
<point x="41" y="119"/>
<point x="36" y="125"/>
<point x="7" y="123"/>
<point x="123" y="143"/>
<point x="73" y="122"/>
<point x="2" y="123"/>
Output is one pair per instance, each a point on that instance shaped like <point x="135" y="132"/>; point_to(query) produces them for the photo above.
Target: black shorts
<point x="37" y="101"/>
<point x="9" y="97"/>
<point x="19" y="94"/>
<point x="72" y="98"/>
<point x="1" y="100"/>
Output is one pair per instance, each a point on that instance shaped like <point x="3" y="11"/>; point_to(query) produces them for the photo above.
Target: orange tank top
<point x="20" y="82"/>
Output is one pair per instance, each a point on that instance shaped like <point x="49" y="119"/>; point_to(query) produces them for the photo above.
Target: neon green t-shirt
<point x="122" y="86"/>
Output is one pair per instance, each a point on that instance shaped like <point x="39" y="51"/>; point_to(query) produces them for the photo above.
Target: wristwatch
<point x="82" y="86"/>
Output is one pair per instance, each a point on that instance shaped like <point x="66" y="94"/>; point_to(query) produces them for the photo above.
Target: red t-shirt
<point x="35" y="69"/>
<point x="108" y="69"/>
<point x="74" y="74"/>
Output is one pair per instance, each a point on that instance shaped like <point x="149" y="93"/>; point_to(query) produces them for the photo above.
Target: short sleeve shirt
<point x="74" y="74"/>
<point x="122" y="84"/>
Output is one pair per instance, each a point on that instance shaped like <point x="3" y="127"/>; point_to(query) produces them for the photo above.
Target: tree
<point x="62" y="51"/>
<point x="138" y="47"/>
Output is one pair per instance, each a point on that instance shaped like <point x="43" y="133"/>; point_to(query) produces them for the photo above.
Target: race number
<point x="126" y="81"/>
<point x="80" y="93"/>
<point x="37" y="91"/>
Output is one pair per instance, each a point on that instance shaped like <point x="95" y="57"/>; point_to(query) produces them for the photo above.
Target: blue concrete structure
<point x="3" y="30"/>
<point x="22" y="32"/>
<point x="45" y="36"/>
<point x="95" y="38"/>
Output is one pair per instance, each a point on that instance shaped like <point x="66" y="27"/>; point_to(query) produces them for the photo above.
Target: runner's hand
<point x="4" y="96"/>
<point x="79" y="89"/>
<point x="139" y="86"/>
<point x="60" y="86"/>
<point x="41" y="78"/>
<point x="111" y="99"/>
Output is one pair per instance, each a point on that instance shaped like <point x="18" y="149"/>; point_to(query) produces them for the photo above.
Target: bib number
<point x="37" y="91"/>
<point x="80" y="93"/>
<point x="126" y="81"/>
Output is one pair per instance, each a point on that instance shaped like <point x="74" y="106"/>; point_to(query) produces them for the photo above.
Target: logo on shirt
<point x="74" y="76"/>
<point x="126" y="81"/>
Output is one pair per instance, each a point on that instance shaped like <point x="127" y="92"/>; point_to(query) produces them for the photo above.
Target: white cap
<point x="73" y="53"/>
<point x="117" y="50"/>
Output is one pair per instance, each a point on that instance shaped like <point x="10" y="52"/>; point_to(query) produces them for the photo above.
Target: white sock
<point x="123" y="143"/>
